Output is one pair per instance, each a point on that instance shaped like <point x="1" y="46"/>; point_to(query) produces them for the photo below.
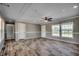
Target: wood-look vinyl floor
<point x="39" y="47"/>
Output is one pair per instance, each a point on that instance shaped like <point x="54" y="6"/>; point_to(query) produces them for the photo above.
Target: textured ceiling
<point x="33" y="12"/>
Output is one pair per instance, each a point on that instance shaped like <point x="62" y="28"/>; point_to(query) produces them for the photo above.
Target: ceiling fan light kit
<point x="45" y="21"/>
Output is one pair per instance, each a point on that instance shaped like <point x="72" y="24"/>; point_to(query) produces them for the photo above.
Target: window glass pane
<point x="55" y="30"/>
<point x="67" y="29"/>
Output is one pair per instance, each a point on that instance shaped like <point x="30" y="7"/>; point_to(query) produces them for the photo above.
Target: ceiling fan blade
<point x="50" y="19"/>
<point x="44" y="18"/>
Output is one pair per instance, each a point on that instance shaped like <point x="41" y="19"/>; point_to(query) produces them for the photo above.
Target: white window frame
<point x="54" y="34"/>
<point x="66" y="25"/>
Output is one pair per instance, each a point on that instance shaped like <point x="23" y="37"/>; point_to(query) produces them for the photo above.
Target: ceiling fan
<point x="47" y="19"/>
<point x="4" y="4"/>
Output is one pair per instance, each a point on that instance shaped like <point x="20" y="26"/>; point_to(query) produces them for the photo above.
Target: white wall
<point x="27" y="30"/>
<point x="1" y="32"/>
<point x="43" y="31"/>
<point x="20" y="31"/>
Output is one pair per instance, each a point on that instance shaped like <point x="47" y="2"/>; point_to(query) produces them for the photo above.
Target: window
<point x="56" y="30"/>
<point x="67" y="29"/>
